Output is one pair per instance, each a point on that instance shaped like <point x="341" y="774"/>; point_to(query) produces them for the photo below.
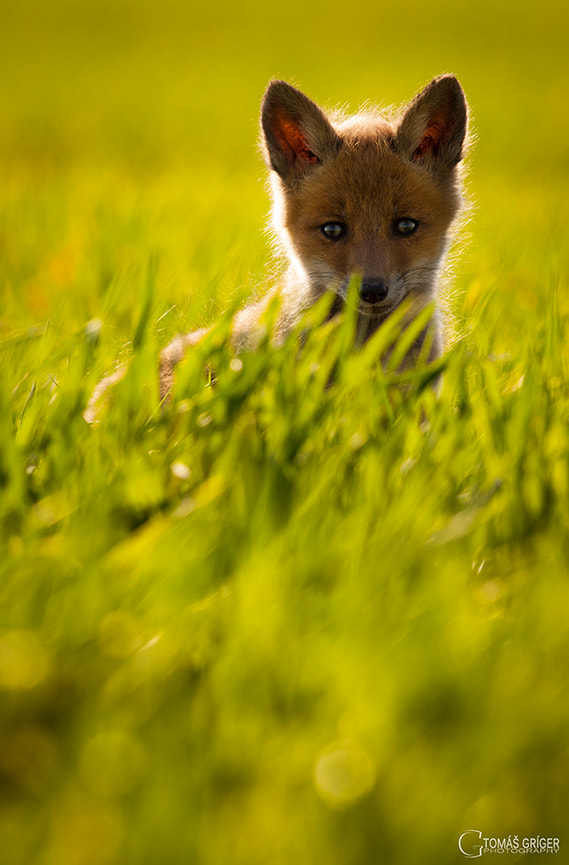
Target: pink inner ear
<point x="294" y="143"/>
<point x="434" y="134"/>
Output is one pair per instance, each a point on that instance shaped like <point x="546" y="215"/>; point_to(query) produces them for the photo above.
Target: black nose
<point x="373" y="290"/>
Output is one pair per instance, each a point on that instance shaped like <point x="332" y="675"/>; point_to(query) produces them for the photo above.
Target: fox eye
<point x="405" y="226"/>
<point x="333" y="230"/>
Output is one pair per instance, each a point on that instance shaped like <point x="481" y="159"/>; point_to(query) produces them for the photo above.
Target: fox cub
<point x="360" y="198"/>
<point x="353" y="198"/>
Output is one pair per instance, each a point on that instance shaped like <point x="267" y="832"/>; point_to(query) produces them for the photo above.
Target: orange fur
<point x="362" y="197"/>
<point x="364" y="174"/>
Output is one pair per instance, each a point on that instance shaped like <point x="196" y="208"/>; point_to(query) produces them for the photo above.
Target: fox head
<point x="363" y="197"/>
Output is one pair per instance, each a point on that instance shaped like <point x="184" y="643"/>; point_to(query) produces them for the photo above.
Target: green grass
<point x="280" y="622"/>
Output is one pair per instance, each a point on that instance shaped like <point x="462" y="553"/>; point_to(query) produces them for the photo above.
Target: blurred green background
<point x="112" y="108"/>
<point x="273" y="627"/>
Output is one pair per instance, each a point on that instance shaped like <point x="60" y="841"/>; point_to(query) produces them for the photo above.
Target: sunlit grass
<point x="304" y="614"/>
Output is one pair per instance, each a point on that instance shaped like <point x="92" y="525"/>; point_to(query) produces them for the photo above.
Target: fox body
<point x="358" y="197"/>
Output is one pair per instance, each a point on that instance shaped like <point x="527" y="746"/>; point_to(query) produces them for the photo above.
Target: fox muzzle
<point x="373" y="291"/>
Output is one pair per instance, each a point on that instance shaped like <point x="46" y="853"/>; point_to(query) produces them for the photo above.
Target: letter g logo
<point x="468" y="846"/>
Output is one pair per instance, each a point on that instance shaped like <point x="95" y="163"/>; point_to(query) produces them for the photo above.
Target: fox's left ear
<point x="297" y="136"/>
<point x="433" y="129"/>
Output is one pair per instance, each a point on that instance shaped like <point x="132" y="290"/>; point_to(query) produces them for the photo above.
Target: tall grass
<point x="313" y="612"/>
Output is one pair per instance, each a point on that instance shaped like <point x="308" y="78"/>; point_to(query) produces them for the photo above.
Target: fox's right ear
<point x="296" y="133"/>
<point x="432" y="131"/>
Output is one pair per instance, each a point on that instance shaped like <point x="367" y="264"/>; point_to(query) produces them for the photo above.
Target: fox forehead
<point x="368" y="183"/>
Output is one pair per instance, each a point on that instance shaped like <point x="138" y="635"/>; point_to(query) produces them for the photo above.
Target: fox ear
<point x="433" y="129"/>
<point x="296" y="134"/>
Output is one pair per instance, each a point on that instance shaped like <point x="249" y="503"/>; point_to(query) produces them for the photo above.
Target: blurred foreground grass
<point x="280" y="622"/>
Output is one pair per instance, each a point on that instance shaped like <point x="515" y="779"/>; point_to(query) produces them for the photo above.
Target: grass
<point x="279" y="622"/>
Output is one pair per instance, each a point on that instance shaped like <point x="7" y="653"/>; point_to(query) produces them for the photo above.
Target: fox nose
<point x="373" y="290"/>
